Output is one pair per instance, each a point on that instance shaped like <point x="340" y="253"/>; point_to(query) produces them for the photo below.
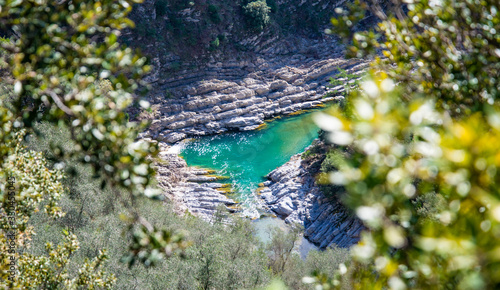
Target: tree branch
<point x="60" y="104"/>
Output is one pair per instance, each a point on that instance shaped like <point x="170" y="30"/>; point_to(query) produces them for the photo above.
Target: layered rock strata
<point x="240" y="95"/>
<point x="278" y="77"/>
<point x="292" y="194"/>
<point x="193" y="189"/>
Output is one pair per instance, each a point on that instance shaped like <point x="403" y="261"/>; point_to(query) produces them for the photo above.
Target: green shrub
<point x="175" y="25"/>
<point x="430" y="205"/>
<point x="332" y="161"/>
<point x="347" y="80"/>
<point x="273" y="5"/>
<point x="145" y="30"/>
<point x="311" y="152"/>
<point x="213" y="14"/>
<point x="222" y="37"/>
<point x="257" y="14"/>
<point x="214" y="44"/>
<point x="161" y="7"/>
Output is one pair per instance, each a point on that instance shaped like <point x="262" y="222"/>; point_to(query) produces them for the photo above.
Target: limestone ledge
<point x="292" y="194"/>
<point x="190" y="188"/>
<point x="266" y="88"/>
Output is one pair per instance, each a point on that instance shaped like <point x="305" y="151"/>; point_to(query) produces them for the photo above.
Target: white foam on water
<point x="176" y="149"/>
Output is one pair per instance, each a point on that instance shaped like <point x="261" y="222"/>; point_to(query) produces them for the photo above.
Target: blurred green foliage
<point x="67" y="68"/>
<point x="215" y="44"/>
<point x="348" y="81"/>
<point x="425" y="186"/>
<point x="213" y="14"/>
<point x="422" y="166"/>
<point x="161" y="7"/>
<point x="272" y="5"/>
<point x="33" y="189"/>
<point x="446" y="49"/>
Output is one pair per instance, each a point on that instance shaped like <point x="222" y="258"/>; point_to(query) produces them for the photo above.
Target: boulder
<point x="284" y="207"/>
<point x="176" y="125"/>
<point x="278" y="85"/>
<point x="240" y="122"/>
<point x="174" y="137"/>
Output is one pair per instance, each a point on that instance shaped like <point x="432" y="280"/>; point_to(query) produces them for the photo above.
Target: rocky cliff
<point x="218" y="105"/>
<point x="191" y="189"/>
<point x="236" y="87"/>
<point x="240" y="95"/>
<point x="291" y="193"/>
<point x="202" y="86"/>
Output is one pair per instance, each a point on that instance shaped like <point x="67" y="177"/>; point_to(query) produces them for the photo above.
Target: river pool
<point x="247" y="157"/>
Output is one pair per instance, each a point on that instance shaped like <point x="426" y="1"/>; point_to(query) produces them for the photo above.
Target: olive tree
<point x="59" y="54"/>
<point x="40" y="188"/>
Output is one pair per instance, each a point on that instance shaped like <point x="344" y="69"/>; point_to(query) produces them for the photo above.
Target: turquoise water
<point x="246" y="157"/>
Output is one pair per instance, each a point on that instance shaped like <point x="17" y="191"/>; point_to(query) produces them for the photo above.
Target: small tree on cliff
<point x="257" y="14"/>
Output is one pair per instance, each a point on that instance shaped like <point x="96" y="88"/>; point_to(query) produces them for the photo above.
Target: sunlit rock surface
<point x="240" y="95"/>
<point x="190" y="188"/>
<point x="292" y="194"/>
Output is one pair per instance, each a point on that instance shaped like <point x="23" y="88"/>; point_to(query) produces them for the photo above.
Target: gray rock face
<point x="292" y="194"/>
<point x="174" y="137"/>
<point x="239" y="122"/>
<point x="190" y="188"/>
<point x="242" y="94"/>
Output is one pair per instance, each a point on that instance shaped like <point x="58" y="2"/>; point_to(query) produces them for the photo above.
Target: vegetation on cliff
<point x="257" y="14"/>
<point x="195" y="30"/>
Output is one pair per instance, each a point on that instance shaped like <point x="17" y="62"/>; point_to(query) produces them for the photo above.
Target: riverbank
<point x="194" y="190"/>
<point x="292" y="193"/>
<point x="241" y="96"/>
<point x="267" y="87"/>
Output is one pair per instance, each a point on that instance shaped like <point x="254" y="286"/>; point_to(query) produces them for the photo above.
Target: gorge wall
<point x="251" y="76"/>
<point x="292" y="193"/>
<point x="275" y="87"/>
<point x="200" y="88"/>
